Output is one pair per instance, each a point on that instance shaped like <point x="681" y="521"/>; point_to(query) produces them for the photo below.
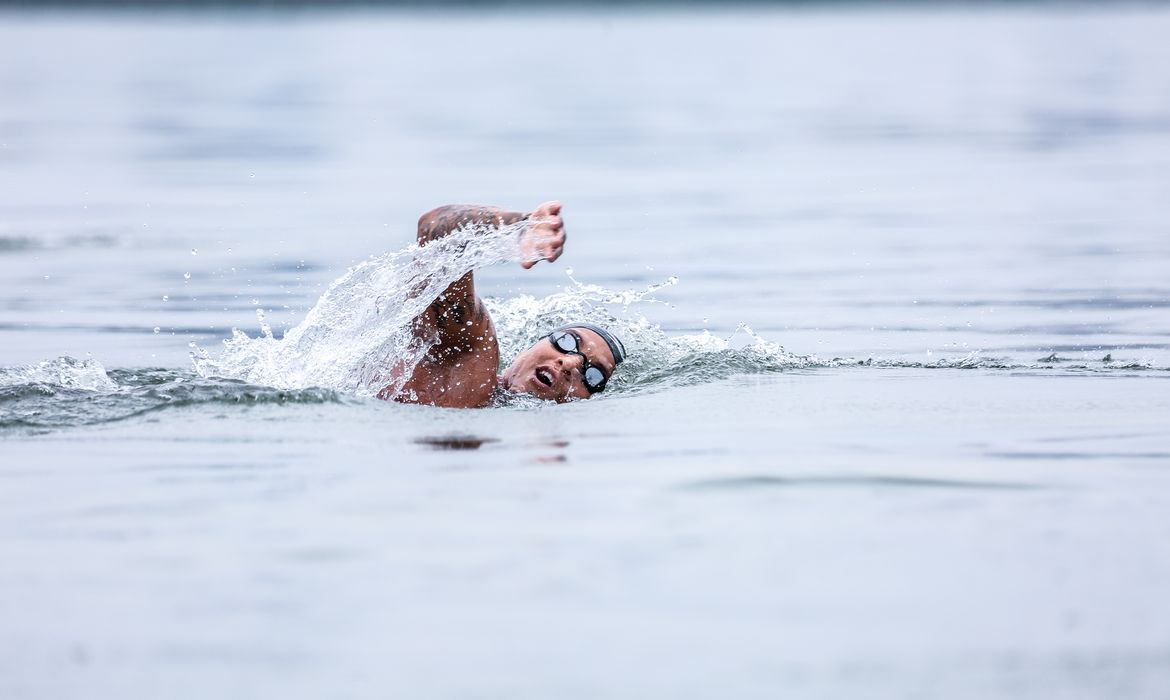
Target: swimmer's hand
<point x="544" y="239"/>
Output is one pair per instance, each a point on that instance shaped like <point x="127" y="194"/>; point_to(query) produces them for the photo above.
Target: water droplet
<point x="255" y="301"/>
<point x="252" y="175"/>
<point x="191" y="344"/>
<point x="264" y="327"/>
<point x="166" y="298"/>
<point x="194" y="251"/>
<point x="46" y="277"/>
<point x="568" y="271"/>
<point x="186" y="275"/>
<point x="156" y="330"/>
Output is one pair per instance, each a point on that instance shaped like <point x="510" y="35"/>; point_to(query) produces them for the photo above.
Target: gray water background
<point x="906" y="185"/>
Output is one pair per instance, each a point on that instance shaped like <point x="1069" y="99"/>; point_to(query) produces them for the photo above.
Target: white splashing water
<point x="64" y="372"/>
<point x="358" y="338"/>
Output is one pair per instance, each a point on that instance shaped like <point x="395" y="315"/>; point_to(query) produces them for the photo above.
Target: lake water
<point x="900" y="429"/>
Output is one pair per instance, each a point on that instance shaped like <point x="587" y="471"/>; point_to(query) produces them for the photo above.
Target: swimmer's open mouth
<point x="544" y="376"/>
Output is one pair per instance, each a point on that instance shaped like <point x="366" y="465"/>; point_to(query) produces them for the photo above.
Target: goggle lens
<point x="594" y="378"/>
<point x="567" y="343"/>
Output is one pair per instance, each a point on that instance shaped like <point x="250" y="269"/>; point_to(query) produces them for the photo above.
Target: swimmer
<point x="459" y="370"/>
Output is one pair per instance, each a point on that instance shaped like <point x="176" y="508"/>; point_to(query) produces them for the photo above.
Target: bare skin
<point x="459" y="371"/>
<point x="550" y="374"/>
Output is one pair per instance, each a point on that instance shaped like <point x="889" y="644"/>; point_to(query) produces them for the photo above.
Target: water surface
<point x="898" y="430"/>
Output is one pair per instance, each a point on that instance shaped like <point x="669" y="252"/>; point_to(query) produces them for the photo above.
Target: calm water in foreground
<point x="952" y="481"/>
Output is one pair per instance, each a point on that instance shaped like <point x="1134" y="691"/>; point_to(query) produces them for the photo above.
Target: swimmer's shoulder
<point x="452" y="376"/>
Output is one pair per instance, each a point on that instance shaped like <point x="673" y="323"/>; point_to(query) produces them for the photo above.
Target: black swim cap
<point x="615" y="345"/>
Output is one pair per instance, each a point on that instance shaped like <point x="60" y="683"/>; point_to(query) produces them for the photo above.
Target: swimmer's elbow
<point x="428" y="224"/>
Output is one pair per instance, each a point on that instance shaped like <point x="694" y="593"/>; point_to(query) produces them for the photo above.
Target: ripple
<point x="758" y="481"/>
<point x="70" y="393"/>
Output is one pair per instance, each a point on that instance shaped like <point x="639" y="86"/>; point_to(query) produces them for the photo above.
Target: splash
<point x="656" y="360"/>
<point x="358" y="339"/>
<point x="63" y="372"/>
<point x="70" y="393"/>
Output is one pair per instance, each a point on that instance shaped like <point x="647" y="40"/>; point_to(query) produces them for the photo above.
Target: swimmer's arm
<point x="458" y="315"/>
<point x="542" y="239"/>
<point x="442" y="221"/>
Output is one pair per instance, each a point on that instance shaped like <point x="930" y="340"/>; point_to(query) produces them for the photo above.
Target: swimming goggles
<point x="568" y="343"/>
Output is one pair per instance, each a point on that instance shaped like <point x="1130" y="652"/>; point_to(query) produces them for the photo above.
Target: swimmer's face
<point x="548" y="373"/>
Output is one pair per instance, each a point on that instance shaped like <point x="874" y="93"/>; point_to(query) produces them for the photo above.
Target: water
<point x="360" y="328"/>
<point x="897" y="429"/>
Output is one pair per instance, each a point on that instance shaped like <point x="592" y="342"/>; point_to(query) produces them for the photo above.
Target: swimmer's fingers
<point x="542" y="243"/>
<point x="546" y="209"/>
<point x="545" y="237"/>
<point x="555" y="246"/>
<point x="551" y="240"/>
<point x="546" y="224"/>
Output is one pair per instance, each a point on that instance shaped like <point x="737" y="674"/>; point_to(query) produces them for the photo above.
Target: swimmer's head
<point x="571" y="362"/>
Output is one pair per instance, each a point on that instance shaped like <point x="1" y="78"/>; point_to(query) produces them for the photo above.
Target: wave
<point x="67" y="392"/>
<point x="361" y="326"/>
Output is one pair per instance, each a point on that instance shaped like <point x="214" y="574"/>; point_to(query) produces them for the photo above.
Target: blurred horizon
<point x="504" y="4"/>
